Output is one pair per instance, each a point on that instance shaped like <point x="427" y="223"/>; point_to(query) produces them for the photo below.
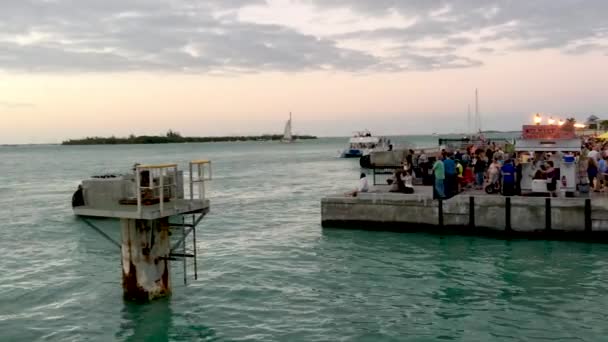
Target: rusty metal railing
<point x="200" y="173"/>
<point x="155" y="172"/>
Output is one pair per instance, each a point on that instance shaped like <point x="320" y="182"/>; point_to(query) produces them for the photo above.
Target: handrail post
<point x="201" y="176"/>
<point x="138" y="190"/>
<point x="191" y="182"/>
<point x="162" y="190"/>
<point x="173" y="187"/>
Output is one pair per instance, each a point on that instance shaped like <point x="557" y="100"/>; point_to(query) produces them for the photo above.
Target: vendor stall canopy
<point x="548" y="145"/>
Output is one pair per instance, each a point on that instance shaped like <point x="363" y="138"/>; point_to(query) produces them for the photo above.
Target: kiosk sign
<point x="547" y="132"/>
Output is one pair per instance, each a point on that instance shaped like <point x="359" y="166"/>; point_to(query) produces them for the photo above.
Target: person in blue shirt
<point x="508" y="178"/>
<point x="439" y="172"/>
<point x="451" y="177"/>
<point x="602" y="167"/>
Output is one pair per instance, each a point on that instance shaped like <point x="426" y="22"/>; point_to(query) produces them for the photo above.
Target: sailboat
<point x="287" y="136"/>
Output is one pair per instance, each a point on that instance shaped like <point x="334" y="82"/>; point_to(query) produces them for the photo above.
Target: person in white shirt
<point x="423" y="158"/>
<point x="595" y="154"/>
<point x="409" y="185"/>
<point x="363" y="186"/>
<point x="402" y="182"/>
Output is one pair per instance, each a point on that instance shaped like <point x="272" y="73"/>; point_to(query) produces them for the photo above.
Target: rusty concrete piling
<point x="145" y="251"/>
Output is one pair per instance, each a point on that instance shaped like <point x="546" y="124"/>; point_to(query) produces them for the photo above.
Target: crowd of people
<point x="490" y="169"/>
<point x="593" y="166"/>
<point x="496" y="171"/>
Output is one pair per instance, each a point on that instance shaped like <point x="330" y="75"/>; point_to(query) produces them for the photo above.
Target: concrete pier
<point x="469" y="213"/>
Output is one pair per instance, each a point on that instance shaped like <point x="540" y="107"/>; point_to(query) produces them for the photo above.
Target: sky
<point x="76" y="68"/>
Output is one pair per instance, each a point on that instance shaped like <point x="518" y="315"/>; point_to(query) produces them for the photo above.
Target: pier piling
<point x="145" y="251"/>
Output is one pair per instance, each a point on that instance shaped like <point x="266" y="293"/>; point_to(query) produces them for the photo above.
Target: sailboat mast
<point x="469" y="119"/>
<point x="477" y="117"/>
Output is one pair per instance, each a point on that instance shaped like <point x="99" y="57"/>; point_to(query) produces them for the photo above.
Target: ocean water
<point x="268" y="271"/>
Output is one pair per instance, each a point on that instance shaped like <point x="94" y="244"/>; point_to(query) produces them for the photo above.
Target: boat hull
<point x="351" y="153"/>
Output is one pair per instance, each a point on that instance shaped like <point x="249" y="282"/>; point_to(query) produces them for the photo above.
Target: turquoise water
<point x="268" y="271"/>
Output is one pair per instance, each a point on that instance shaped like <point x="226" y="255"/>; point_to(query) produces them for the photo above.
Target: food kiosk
<point x="541" y="143"/>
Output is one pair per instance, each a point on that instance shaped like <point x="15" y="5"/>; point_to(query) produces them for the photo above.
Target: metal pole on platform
<point x="194" y="247"/>
<point x="191" y="183"/>
<point x="138" y="190"/>
<point x="201" y="177"/>
<point x="162" y="190"/>
<point x="173" y="188"/>
<point x="184" y="249"/>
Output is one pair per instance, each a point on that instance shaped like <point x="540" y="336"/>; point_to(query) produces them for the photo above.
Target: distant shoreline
<point x="172" y="137"/>
<point x="264" y="137"/>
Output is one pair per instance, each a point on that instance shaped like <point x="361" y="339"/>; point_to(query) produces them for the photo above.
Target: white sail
<point x="287" y="136"/>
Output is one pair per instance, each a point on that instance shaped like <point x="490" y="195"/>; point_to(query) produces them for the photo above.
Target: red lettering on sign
<point x="547" y="132"/>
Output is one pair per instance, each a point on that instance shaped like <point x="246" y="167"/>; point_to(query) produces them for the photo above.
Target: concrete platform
<point x="148" y="212"/>
<point x="472" y="212"/>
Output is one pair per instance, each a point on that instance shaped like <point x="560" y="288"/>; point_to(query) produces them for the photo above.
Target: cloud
<point x="101" y="35"/>
<point x="532" y="24"/>
<point x="215" y="36"/>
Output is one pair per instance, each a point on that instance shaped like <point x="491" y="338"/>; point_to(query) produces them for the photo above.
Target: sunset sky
<point x="75" y="68"/>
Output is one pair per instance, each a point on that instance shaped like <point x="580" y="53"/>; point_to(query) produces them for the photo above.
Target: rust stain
<point x="165" y="278"/>
<point x="132" y="290"/>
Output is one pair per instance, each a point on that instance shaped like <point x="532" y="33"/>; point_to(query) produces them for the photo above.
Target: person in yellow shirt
<point x="459" y="173"/>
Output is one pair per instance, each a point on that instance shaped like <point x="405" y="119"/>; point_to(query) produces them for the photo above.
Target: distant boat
<point x="362" y="144"/>
<point x="287" y="136"/>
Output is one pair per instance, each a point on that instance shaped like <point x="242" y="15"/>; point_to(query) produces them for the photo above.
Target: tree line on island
<point x="174" y="137"/>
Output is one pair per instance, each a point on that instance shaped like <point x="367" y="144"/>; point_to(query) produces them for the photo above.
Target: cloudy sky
<point x="73" y="68"/>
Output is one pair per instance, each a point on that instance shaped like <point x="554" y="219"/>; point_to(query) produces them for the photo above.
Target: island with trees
<point x="175" y="137"/>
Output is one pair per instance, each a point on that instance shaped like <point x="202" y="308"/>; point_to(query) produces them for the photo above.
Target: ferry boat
<point x="362" y="144"/>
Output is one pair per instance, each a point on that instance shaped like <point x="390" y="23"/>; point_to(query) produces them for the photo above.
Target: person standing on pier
<point x="583" y="177"/>
<point x="479" y="167"/>
<point x="449" y="166"/>
<point x="602" y="167"/>
<point x="508" y="178"/>
<point x="518" y="176"/>
<point x="439" y="172"/>
<point x="592" y="171"/>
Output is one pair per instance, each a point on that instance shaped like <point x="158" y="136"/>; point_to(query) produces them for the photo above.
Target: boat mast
<point x="469" y="129"/>
<point x="477" y="116"/>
